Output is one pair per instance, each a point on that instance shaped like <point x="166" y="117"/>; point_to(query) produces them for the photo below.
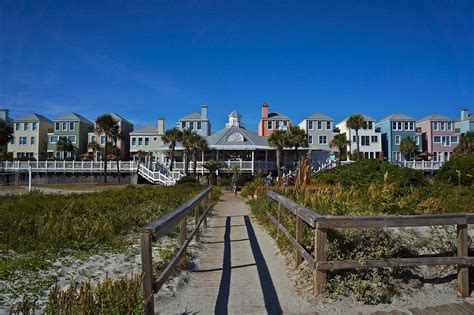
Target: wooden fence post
<point x="299" y="237"/>
<point x="182" y="239"/>
<point x="278" y="219"/>
<point x="197" y="209"/>
<point x="147" y="269"/>
<point x="320" y="236"/>
<point x="463" y="251"/>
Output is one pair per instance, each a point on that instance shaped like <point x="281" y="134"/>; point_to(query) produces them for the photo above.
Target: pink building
<point x="273" y="121"/>
<point x="439" y="136"/>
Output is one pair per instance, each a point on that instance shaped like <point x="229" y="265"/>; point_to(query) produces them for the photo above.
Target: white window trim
<point x="398" y="140"/>
<point x="310" y="125"/>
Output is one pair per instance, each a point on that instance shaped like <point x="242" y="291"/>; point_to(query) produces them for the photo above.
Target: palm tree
<point x="94" y="146"/>
<point x="297" y="138"/>
<point x="212" y="166"/>
<point x="115" y="136"/>
<point x="466" y="144"/>
<point x="142" y="155"/>
<point x="339" y="141"/>
<point x="278" y="140"/>
<point x="171" y="136"/>
<point x="104" y="126"/>
<point x="64" y="145"/>
<point x="408" y="147"/>
<point x="198" y="144"/>
<point x="356" y="122"/>
<point x="188" y="138"/>
<point x="6" y="133"/>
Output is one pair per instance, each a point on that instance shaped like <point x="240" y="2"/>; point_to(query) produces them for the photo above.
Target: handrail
<point x="154" y="230"/>
<point x="321" y="223"/>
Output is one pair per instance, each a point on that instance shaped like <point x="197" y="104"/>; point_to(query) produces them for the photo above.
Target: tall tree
<point x="172" y="136"/>
<point x="188" y="138"/>
<point x="6" y="133"/>
<point x="356" y="122"/>
<point x="104" y="126"/>
<point x="115" y="136"/>
<point x="212" y="166"/>
<point x="278" y="140"/>
<point x="466" y="144"/>
<point x="339" y="141"/>
<point x="198" y="145"/>
<point x="64" y="145"/>
<point x="297" y="138"/>
<point x="408" y="148"/>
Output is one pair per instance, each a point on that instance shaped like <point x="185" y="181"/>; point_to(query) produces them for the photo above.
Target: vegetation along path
<point x="239" y="270"/>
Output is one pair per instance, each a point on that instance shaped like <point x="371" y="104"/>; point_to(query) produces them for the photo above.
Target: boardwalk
<point x="239" y="270"/>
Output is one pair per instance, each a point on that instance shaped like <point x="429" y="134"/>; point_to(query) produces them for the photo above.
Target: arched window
<point x="236" y="136"/>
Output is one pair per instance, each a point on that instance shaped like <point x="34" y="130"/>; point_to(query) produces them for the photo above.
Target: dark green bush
<point x="186" y="180"/>
<point x="448" y="172"/>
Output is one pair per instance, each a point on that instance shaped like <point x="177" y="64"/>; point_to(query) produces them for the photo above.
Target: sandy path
<point x="239" y="270"/>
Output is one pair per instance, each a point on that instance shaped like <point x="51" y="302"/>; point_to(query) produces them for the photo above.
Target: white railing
<point x="227" y="166"/>
<point x="420" y="165"/>
<point x="155" y="177"/>
<point x="68" y="166"/>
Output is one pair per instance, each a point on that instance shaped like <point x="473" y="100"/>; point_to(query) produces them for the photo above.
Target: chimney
<point x="161" y="125"/>
<point x="264" y="110"/>
<point x="204" y="111"/>
<point x="464" y="114"/>
<point x="4" y="114"/>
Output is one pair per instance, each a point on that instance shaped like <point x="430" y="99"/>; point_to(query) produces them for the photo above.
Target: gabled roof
<point x="366" y="117"/>
<point x="33" y="117"/>
<point x="276" y="115"/>
<point x="192" y="116"/>
<point x="438" y="117"/>
<point x="146" y="130"/>
<point x="318" y="115"/>
<point x="250" y="138"/>
<point x="74" y="117"/>
<point x="397" y="116"/>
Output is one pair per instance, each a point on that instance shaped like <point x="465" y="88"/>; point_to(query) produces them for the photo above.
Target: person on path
<point x="269" y="179"/>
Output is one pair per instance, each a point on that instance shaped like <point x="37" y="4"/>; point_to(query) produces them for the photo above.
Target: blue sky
<point x="144" y="59"/>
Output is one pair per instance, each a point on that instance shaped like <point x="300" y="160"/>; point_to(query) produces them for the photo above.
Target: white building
<point x="370" y="140"/>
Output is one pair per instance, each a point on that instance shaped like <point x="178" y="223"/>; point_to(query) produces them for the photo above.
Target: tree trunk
<point x="172" y="158"/>
<point x="194" y="163"/>
<point x="278" y="162"/>
<point x="358" y="146"/>
<point x="105" y="160"/>
<point x="186" y="163"/>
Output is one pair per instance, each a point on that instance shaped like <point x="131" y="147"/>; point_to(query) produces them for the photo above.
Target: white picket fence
<point x="68" y="166"/>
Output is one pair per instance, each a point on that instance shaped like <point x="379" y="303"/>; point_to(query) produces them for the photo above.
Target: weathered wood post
<point x="182" y="239"/>
<point x="463" y="251"/>
<point x="320" y="236"/>
<point x="299" y="238"/>
<point x="197" y="209"/>
<point x="147" y="269"/>
<point x="278" y="219"/>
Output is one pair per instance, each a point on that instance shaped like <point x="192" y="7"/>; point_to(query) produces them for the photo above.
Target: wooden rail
<point x="321" y="224"/>
<point x="153" y="231"/>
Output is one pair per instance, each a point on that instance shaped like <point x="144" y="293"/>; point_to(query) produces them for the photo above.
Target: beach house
<point x="369" y="138"/>
<point x="439" y="136"/>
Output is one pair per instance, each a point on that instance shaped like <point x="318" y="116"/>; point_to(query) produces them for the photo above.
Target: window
<point x="17" y="126"/>
<point x="269" y="125"/>
<point x="22" y="141"/>
<point x="26" y="126"/>
<point x="277" y="124"/>
<point x="147" y="141"/>
<point x="406" y="125"/>
<point x="435" y="126"/>
<point x="285" y="123"/>
<point x="396" y="156"/>
<point x="323" y="140"/>
<point x="454" y="139"/>
<point x="370" y="125"/>
<point x="57" y="154"/>
<point x="397" y="140"/>
<point x="12" y="140"/>
<point x="412" y="125"/>
<point x="199" y="125"/>
<point x="374" y="139"/>
<point x="32" y="140"/>
<point x="134" y="141"/>
<point x="140" y="141"/>
<point x="365" y="140"/>
<point x="320" y="125"/>
<point x="354" y="139"/>
<point x="310" y="125"/>
<point x="72" y="139"/>
<point x="64" y="125"/>
<point x="183" y="124"/>
<point x="191" y="125"/>
<point x="446" y="141"/>
<point x="417" y="140"/>
<point x="34" y="126"/>
<point x="394" y="125"/>
<point x="310" y="139"/>
<point x="93" y="139"/>
<point x="450" y="126"/>
<point x="53" y="139"/>
<point x="399" y="125"/>
<point x="328" y="125"/>
<point x="57" y="126"/>
<point x="102" y="140"/>
<point x="437" y="139"/>
<point x="442" y="126"/>
<point x="71" y="126"/>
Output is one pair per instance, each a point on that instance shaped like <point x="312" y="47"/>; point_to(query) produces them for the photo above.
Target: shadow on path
<point x="224" y="287"/>
<point x="272" y="304"/>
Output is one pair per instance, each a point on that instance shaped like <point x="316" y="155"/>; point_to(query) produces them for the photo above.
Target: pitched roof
<point x="318" y="115"/>
<point x="33" y="117"/>
<point x="192" y="116"/>
<point x="250" y="138"/>
<point x="366" y="118"/>
<point x="276" y="115"/>
<point x="397" y="116"/>
<point x="147" y="129"/>
<point x="436" y="117"/>
<point x="75" y="117"/>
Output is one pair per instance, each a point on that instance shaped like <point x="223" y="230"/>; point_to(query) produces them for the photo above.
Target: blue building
<point x="197" y="122"/>
<point x="393" y="129"/>
<point x="466" y="122"/>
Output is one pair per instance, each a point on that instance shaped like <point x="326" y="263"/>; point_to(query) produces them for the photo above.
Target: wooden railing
<point x="157" y="229"/>
<point x="321" y="224"/>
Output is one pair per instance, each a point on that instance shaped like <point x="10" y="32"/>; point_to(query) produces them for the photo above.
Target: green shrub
<point x="448" y="172"/>
<point x="187" y="180"/>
